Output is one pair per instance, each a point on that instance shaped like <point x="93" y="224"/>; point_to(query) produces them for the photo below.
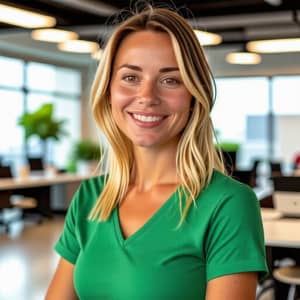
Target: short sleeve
<point x="235" y="240"/>
<point x="68" y="245"/>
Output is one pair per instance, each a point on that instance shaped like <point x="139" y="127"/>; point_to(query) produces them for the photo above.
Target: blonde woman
<point x="165" y="223"/>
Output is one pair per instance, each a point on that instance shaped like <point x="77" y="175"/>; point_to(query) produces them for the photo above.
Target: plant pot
<point x="86" y="167"/>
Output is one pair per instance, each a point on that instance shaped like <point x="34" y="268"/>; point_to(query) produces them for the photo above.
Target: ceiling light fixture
<point x="78" y="46"/>
<point x="274" y="2"/>
<point x="53" y="35"/>
<point x="24" y="18"/>
<point x="243" y="58"/>
<point x="274" y="46"/>
<point x="208" y="38"/>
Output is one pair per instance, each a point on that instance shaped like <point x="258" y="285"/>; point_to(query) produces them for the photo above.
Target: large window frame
<point x="16" y="155"/>
<point x="274" y="148"/>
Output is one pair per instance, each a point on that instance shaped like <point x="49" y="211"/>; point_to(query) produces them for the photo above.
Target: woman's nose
<point x="147" y="93"/>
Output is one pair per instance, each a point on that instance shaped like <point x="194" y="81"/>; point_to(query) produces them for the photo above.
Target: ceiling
<point x="238" y="21"/>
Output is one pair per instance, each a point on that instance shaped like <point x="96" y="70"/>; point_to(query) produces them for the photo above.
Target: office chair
<point x="10" y="200"/>
<point x="255" y="165"/>
<point x="244" y="176"/>
<point x="289" y="275"/>
<point x="286" y="183"/>
<point x="35" y="163"/>
<point x="275" y="169"/>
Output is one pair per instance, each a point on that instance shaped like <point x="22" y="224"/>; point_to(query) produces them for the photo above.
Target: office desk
<point x="39" y="186"/>
<point x="282" y="239"/>
<point x="39" y="180"/>
<point x="279" y="231"/>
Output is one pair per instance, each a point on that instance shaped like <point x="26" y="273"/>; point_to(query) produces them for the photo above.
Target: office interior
<point x="257" y="109"/>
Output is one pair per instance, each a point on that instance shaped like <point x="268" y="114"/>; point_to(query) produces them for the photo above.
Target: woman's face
<point x="149" y="102"/>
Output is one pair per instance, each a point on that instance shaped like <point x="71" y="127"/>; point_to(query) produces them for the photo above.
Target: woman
<point x="166" y="223"/>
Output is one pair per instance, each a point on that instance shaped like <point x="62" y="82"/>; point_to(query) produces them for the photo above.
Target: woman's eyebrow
<point x="137" y="68"/>
<point x="169" y="69"/>
<point x="132" y="67"/>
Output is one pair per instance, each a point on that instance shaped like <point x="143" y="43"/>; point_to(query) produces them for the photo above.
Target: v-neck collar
<point x="146" y="226"/>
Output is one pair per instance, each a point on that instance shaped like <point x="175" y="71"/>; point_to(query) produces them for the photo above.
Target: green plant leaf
<point x="42" y="123"/>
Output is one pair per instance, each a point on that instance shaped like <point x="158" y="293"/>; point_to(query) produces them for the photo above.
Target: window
<point x="25" y="87"/>
<point x="13" y="75"/>
<point x="239" y="102"/>
<point x="286" y="109"/>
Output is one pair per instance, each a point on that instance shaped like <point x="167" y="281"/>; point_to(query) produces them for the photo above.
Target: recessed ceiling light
<point x="274" y="46"/>
<point x="243" y="58"/>
<point x="208" y="38"/>
<point x="24" y="18"/>
<point x="53" y="35"/>
<point x="78" y="46"/>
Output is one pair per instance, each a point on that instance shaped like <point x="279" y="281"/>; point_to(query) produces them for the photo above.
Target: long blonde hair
<point x="196" y="154"/>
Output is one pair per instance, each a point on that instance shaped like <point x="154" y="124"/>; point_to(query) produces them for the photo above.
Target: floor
<point x="27" y="260"/>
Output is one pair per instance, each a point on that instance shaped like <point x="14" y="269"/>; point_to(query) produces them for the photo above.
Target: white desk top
<point x="40" y="180"/>
<point x="280" y="232"/>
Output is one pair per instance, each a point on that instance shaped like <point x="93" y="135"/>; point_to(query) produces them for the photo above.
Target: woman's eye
<point x="130" y="78"/>
<point x="171" y="81"/>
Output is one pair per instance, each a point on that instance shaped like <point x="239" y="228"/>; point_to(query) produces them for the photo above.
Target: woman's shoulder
<point x="223" y="183"/>
<point x="93" y="185"/>
<point x="223" y="189"/>
<point x="88" y="192"/>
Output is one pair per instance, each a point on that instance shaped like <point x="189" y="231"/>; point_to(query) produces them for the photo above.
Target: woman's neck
<point x="154" y="168"/>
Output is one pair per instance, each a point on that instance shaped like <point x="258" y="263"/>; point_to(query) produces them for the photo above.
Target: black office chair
<point x="275" y="168"/>
<point x="286" y="183"/>
<point x="244" y="176"/>
<point x="35" y="163"/>
<point x="8" y="200"/>
<point x="255" y="165"/>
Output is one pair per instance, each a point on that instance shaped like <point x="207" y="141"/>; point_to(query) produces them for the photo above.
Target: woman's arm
<point x="234" y="287"/>
<point x="61" y="286"/>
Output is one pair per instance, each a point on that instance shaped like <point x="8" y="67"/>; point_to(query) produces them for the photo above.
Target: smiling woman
<point x="150" y="104"/>
<point x="165" y="222"/>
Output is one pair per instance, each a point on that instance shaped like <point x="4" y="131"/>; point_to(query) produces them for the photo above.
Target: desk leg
<point x="44" y="206"/>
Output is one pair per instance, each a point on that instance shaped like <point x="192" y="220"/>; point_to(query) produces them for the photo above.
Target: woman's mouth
<point x="147" y="119"/>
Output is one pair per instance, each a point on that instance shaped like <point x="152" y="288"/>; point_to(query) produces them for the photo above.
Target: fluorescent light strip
<point x="24" y="18"/>
<point x="243" y="58"/>
<point x="78" y="46"/>
<point x="274" y="46"/>
<point x="53" y="35"/>
<point x="208" y="38"/>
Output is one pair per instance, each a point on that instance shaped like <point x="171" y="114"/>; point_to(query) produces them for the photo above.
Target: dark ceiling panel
<point x="80" y="15"/>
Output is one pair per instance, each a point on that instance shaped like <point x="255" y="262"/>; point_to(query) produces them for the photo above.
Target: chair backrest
<point x="35" y="163"/>
<point x="5" y="172"/>
<point x="244" y="176"/>
<point x="286" y="183"/>
<point x="276" y="169"/>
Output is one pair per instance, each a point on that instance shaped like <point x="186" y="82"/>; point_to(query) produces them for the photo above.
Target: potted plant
<point x="42" y="124"/>
<point x="86" y="155"/>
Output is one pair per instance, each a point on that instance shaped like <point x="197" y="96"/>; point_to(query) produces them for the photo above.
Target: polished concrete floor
<point x="27" y="260"/>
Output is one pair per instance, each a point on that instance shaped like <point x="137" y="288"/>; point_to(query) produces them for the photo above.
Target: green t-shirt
<point x="222" y="235"/>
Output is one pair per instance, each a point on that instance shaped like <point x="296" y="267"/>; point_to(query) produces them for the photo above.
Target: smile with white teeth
<point x="147" y="118"/>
